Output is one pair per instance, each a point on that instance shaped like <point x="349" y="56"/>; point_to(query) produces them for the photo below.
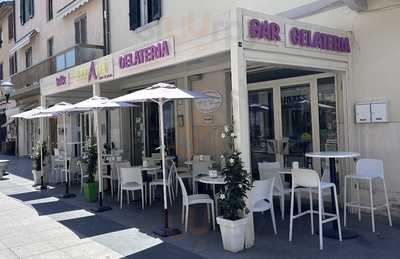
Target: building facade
<point x="50" y="36"/>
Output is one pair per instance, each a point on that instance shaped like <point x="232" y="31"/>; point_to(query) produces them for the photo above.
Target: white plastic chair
<point x="199" y="168"/>
<point x="367" y="170"/>
<point x="84" y="174"/>
<point x="118" y="166"/>
<point x="262" y="198"/>
<point x="159" y="182"/>
<point x="132" y="180"/>
<point x="188" y="200"/>
<point x="310" y="179"/>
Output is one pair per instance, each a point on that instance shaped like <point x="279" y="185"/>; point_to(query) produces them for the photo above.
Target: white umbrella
<point x="95" y="104"/>
<point x="28" y="114"/>
<point x="161" y="93"/>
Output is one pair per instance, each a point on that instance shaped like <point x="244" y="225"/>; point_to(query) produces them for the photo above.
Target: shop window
<point x="11" y="27"/>
<point x="81" y="30"/>
<point x="49" y="10"/>
<point x="50" y="47"/>
<point x="27" y="10"/>
<point x="13" y="64"/>
<point x="28" y="57"/>
<point x="142" y="12"/>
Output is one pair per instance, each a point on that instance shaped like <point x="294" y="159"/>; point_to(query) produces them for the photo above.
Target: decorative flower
<point x="222" y="156"/>
<point x="226" y="129"/>
<point x="232" y="160"/>
<point x="222" y="196"/>
<point x="232" y="135"/>
<point x="223" y="135"/>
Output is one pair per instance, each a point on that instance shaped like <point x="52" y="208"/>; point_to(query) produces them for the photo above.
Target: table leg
<point x="333" y="231"/>
<point x="215" y="201"/>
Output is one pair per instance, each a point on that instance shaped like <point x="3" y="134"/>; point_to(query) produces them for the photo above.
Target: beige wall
<point x="7" y="45"/>
<point x="61" y="29"/>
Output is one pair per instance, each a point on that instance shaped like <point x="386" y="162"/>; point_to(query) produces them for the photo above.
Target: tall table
<point x="219" y="180"/>
<point x="332" y="156"/>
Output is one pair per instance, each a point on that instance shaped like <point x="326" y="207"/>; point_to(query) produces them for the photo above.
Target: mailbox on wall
<point x="372" y="112"/>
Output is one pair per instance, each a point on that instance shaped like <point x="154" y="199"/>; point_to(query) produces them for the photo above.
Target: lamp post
<point x="7" y="88"/>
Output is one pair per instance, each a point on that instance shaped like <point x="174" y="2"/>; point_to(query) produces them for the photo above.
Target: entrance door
<point x="291" y="117"/>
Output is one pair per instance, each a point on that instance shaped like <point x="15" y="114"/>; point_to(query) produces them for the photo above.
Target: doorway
<point x="290" y="117"/>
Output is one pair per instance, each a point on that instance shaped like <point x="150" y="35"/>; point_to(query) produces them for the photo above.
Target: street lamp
<point x="7" y="88"/>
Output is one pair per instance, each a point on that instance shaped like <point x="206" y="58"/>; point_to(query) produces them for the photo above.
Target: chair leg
<point x="170" y="194"/>
<point x="273" y="217"/>
<point x="291" y="215"/>
<point x="150" y="194"/>
<point x="127" y="195"/>
<point x="345" y="202"/>
<point x="133" y="195"/>
<point x="121" y="198"/>
<point x="208" y="212"/>
<point x="311" y="213"/>
<point x="298" y="194"/>
<point x="112" y="187"/>
<point x="213" y="215"/>
<point x="143" y="198"/>
<point x="283" y="206"/>
<point x="387" y="202"/>
<point x="358" y="200"/>
<point x="372" y="205"/>
<point x="337" y="213"/>
<point x="186" y="218"/>
<point x="321" y="245"/>
<point x="183" y="214"/>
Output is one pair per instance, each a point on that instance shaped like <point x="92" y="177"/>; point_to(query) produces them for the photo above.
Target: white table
<point x="219" y="180"/>
<point x="332" y="156"/>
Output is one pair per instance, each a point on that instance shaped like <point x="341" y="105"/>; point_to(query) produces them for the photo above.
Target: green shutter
<point x="134" y="14"/>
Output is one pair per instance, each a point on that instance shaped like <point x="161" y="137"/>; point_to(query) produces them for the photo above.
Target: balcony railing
<point x="74" y="56"/>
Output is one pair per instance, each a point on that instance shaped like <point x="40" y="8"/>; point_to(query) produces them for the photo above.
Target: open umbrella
<point x="95" y="104"/>
<point x="61" y="109"/>
<point x="35" y="114"/>
<point x="161" y="93"/>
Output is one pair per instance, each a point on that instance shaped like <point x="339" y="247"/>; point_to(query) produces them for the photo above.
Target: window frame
<point x="12" y="62"/>
<point x="145" y="16"/>
<point x="49" y="10"/>
<point x="50" y="47"/>
<point x="11" y="26"/>
<point x="1" y="71"/>
<point x="26" y="10"/>
<point x="79" y="22"/>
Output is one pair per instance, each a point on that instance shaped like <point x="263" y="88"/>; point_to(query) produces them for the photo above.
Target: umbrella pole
<point x="100" y="207"/>
<point x="67" y="195"/>
<point x="164" y="231"/>
<point x="42" y="185"/>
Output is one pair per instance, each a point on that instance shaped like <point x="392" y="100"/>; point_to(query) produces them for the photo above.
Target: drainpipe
<point x="106" y="27"/>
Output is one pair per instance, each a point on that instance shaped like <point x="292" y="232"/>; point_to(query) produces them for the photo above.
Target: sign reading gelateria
<point x="131" y="60"/>
<point x="271" y="32"/>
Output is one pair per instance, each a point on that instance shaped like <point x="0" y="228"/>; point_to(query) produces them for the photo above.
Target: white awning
<point x="24" y="41"/>
<point x="70" y="7"/>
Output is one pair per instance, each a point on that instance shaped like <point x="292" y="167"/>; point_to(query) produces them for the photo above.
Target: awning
<point x="70" y="7"/>
<point x="25" y="40"/>
<point x="12" y="120"/>
<point x="12" y="111"/>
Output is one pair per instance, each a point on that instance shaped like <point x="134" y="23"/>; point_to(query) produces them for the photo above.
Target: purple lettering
<point x="254" y="28"/>
<point x="164" y="49"/>
<point x="295" y="36"/>
<point x="275" y="31"/>
<point x="92" y="72"/>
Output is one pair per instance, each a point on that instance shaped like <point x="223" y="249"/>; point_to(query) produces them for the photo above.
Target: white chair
<point x="262" y="198"/>
<point x="199" y="168"/>
<point x="188" y="200"/>
<point x="159" y="182"/>
<point x="310" y="179"/>
<point x="184" y="173"/>
<point x="84" y="174"/>
<point x="367" y="170"/>
<point x="132" y="180"/>
<point x="201" y="158"/>
<point x="118" y="166"/>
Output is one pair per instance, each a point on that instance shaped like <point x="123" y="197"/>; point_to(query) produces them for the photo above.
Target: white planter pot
<point x="36" y="177"/>
<point x="233" y="233"/>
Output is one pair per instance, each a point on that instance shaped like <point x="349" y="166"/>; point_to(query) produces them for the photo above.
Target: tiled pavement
<point x="39" y="225"/>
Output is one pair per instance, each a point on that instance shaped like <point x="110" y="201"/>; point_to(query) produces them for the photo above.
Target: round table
<point x="332" y="156"/>
<point x="219" y="180"/>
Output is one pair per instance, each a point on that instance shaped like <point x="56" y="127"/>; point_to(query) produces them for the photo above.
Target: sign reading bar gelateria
<point x="271" y="31"/>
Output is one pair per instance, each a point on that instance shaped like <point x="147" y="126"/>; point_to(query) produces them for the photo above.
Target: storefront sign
<point x="318" y="40"/>
<point x="264" y="30"/>
<point x="128" y="62"/>
<point x="92" y="72"/>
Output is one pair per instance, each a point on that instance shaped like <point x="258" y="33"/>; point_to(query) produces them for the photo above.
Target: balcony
<point x="74" y="56"/>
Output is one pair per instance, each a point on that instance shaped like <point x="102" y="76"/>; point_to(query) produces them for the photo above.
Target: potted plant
<point x="232" y="198"/>
<point x="89" y="159"/>
<point x="37" y="152"/>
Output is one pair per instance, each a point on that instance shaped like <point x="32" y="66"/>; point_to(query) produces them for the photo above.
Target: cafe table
<point x="213" y="181"/>
<point x="332" y="156"/>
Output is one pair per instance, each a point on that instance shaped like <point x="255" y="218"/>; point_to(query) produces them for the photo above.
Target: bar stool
<point x="310" y="179"/>
<point x="367" y="170"/>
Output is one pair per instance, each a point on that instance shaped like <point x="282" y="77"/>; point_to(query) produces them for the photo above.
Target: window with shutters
<point x="49" y="10"/>
<point x="11" y="27"/>
<point x="27" y="10"/>
<point x="1" y="72"/>
<point x="81" y="30"/>
<point x="142" y="12"/>
<point x="13" y="63"/>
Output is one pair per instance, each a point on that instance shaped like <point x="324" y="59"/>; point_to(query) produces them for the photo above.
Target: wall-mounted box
<point x="363" y="112"/>
<point x="379" y="112"/>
